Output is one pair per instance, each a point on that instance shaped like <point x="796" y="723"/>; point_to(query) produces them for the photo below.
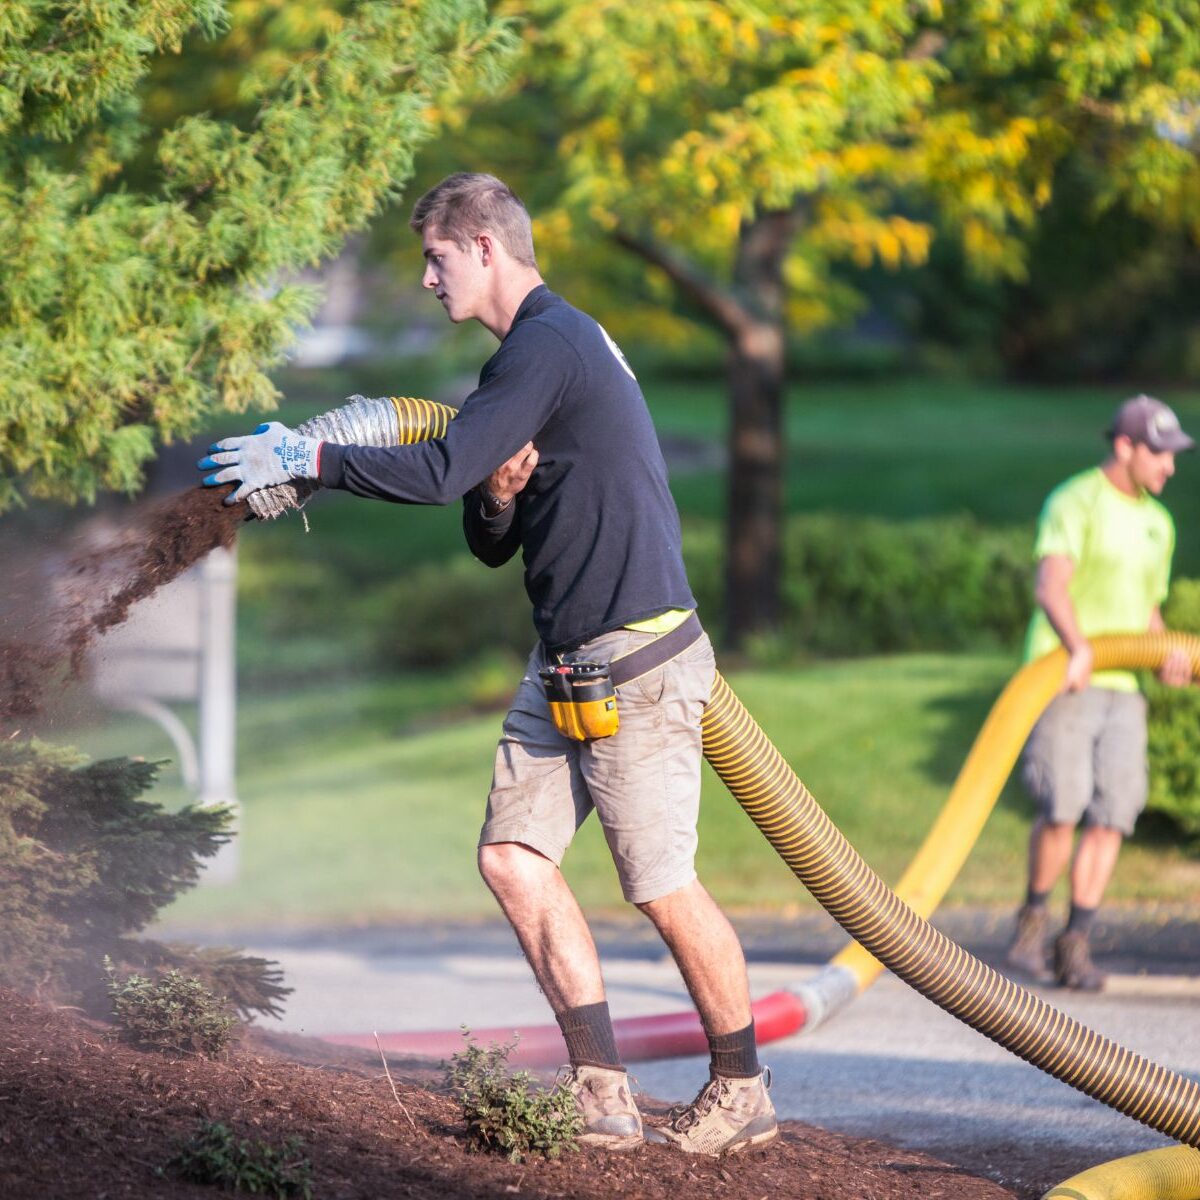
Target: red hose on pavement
<point x="667" y="1035"/>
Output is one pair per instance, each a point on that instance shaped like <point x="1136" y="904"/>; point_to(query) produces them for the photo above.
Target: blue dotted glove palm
<point x="272" y="454"/>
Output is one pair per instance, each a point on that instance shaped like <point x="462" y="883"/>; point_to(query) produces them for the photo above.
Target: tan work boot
<point x="602" y="1095"/>
<point x="727" y="1116"/>
<point x="1073" y="964"/>
<point x="1027" y="953"/>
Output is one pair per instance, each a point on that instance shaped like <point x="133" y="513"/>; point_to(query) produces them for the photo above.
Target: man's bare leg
<point x="708" y="953"/>
<point x="552" y="931"/>
<point x="1049" y="852"/>
<point x="548" y="923"/>
<point x="733" y="1110"/>
<point x="1095" y="861"/>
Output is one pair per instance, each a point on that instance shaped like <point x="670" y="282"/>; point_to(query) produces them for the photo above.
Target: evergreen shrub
<point x="86" y="861"/>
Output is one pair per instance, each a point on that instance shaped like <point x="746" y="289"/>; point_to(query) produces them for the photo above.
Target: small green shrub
<point x="1174" y="727"/>
<point x="174" y="1013"/>
<point x="215" y="1157"/>
<point x="508" y="1113"/>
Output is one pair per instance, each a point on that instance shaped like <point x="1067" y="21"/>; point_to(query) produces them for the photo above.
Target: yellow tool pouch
<point x="583" y="701"/>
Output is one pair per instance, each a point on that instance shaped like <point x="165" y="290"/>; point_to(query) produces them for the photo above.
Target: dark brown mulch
<point x="41" y="643"/>
<point x="83" y="1116"/>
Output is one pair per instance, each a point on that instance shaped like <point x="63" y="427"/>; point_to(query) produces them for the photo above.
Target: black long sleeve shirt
<point x="596" y="523"/>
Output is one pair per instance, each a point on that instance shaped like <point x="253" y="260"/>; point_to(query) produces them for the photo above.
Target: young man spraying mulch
<point x="555" y="454"/>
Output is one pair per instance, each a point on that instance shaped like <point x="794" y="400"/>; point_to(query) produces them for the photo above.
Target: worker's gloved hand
<point x="272" y="454"/>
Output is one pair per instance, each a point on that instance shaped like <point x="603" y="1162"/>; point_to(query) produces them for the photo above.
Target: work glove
<point x="272" y="454"/>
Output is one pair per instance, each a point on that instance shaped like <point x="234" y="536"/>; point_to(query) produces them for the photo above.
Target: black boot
<point x="1073" y="964"/>
<point x="1027" y="953"/>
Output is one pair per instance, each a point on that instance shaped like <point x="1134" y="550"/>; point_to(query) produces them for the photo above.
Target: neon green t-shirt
<point x="1121" y="547"/>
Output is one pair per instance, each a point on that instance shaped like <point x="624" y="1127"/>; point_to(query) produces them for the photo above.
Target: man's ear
<point x="486" y="247"/>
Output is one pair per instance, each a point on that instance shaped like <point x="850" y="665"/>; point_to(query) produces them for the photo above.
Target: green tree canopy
<point x="147" y="267"/>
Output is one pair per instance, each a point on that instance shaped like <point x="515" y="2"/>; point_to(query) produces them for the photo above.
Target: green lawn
<point x="361" y="804"/>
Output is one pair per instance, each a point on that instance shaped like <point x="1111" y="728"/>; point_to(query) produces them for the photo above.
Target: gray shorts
<point x="643" y="782"/>
<point x="1086" y="759"/>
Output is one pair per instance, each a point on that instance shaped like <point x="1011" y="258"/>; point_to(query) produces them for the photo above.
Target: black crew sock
<point x="1081" y="920"/>
<point x="588" y="1032"/>
<point x="1036" y="899"/>
<point x="734" y="1055"/>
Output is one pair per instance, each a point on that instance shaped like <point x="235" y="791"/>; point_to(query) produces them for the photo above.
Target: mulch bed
<point x="83" y="1116"/>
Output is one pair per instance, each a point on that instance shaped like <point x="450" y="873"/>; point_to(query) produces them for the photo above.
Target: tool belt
<point x="582" y="695"/>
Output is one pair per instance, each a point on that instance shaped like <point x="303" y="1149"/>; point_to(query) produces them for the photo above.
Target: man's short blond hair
<point x="465" y="205"/>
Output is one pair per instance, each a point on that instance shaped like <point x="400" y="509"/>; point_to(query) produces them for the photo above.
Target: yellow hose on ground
<point x="1170" y="1174"/>
<point x="780" y="805"/>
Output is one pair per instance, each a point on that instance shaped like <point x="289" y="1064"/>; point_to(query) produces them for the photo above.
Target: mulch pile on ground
<point x="46" y="629"/>
<point x="83" y="1115"/>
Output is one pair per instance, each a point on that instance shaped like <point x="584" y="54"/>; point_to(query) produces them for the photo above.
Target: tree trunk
<point x="755" y="375"/>
<point x="750" y="314"/>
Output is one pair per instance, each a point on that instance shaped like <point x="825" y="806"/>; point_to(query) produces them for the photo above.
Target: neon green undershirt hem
<point x="663" y="623"/>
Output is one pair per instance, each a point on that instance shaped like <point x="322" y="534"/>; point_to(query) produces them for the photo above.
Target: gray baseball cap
<point x="1145" y="419"/>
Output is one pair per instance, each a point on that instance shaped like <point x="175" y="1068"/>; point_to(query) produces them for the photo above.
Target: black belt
<point x="655" y="654"/>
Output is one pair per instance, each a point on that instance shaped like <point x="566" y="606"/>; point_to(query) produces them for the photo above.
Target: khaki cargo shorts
<point x="643" y="782"/>
<point x="1086" y="759"/>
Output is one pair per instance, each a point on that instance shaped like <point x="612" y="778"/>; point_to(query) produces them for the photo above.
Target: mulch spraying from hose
<point x="47" y="624"/>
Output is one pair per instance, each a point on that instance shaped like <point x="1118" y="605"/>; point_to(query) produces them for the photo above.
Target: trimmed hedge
<point x="864" y="585"/>
<point x="852" y="585"/>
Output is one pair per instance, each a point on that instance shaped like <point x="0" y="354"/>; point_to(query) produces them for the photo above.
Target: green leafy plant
<point x="508" y="1113"/>
<point x="1174" y="728"/>
<point x="173" y="1013"/>
<point x="214" y="1156"/>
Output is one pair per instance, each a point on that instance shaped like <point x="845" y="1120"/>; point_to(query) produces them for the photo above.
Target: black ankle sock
<point x="734" y="1055"/>
<point x="1081" y="919"/>
<point x="588" y="1032"/>
<point x="1036" y="899"/>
